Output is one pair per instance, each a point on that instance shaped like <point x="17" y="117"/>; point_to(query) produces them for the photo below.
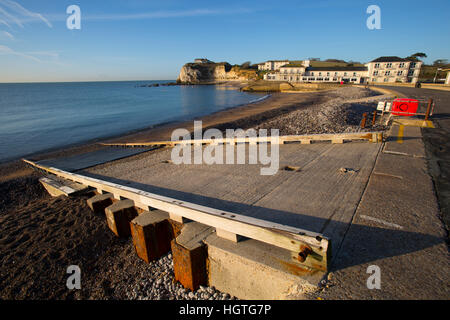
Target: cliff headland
<point x="204" y="71"/>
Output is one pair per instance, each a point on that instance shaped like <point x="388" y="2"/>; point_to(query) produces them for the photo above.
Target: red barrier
<point x="405" y="107"/>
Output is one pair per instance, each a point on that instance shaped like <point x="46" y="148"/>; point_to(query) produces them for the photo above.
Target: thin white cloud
<point x="4" y="23"/>
<point x="8" y="51"/>
<point x="9" y="17"/>
<point x="51" y="57"/>
<point x="152" y="15"/>
<point x="51" y="54"/>
<point x="7" y="34"/>
<point x="13" y="13"/>
<point x="166" y="14"/>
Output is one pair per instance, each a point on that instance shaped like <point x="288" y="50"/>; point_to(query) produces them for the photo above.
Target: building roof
<point x="293" y="65"/>
<point x="390" y="59"/>
<point x="278" y="60"/>
<point x="347" y="68"/>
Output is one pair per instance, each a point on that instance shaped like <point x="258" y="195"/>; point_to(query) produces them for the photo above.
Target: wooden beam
<point x="287" y="237"/>
<point x="253" y="140"/>
<point x="57" y="187"/>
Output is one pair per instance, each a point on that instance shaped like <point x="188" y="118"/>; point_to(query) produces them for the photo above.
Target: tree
<point x="246" y="65"/>
<point x="419" y="55"/>
<point x="335" y="60"/>
<point x="440" y="62"/>
<point x="416" y="56"/>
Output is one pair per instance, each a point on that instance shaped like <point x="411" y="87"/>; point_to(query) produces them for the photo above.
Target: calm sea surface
<point x="40" y="116"/>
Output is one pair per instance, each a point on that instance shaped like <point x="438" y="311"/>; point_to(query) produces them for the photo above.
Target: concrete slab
<point x="397" y="228"/>
<point x="413" y="122"/>
<point x="89" y="159"/>
<point x="318" y="197"/>
<point x="254" y="270"/>
<point x="405" y="140"/>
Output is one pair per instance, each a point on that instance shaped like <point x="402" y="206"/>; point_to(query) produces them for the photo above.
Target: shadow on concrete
<point x="368" y="243"/>
<point x="394" y="138"/>
<point x="440" y="116"/>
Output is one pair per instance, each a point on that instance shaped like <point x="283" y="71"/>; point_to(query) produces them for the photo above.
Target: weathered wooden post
<point x="427" y="114"/>
<point x="363" y="121"/>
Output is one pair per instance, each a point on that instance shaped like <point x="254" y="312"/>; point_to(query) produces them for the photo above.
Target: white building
<point x="383" y="69"/>
<point x="394" y="69"/>
<point x="304" y="72"/>
<point x="202" y="60"/>
<point x="272" y="65"/>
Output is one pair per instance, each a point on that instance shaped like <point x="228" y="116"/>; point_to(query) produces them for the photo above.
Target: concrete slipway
<point x="374" y="201"/>
<point x="320" y="195"/>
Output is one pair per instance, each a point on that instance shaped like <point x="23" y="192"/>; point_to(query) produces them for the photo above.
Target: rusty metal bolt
<point x="304" y="252"/>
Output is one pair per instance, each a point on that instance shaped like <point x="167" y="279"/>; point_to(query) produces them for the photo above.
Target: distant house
<point x="202" y="60"/>
<point x="383" y="69"/>
<point x="272" y="65"/>
<point x="447" y="79"/>
<point x="394" y="69"/>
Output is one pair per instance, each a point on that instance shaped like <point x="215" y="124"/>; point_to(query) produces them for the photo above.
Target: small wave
<point x="260" y="99"/>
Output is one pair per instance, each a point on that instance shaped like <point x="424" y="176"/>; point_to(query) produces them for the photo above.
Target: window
<point x="354" y="74"/>
<point x="320" y="73"/>
<point x="312" y="73"/>
<point x="401" y="65"/>
<point x="354" y="79"/>
<point x="386" y="79"/>
<point x="319" y="79"/>
<point x="328" y="74"/>
<point x="388" y="73"/>
<point x="377" y="65"/>
<point x="327" y="79"/>
<point x="335" y="74"/>
<point x="345" y="74"/>
<point x="413" y="65"/>
<point x="375" y="73"/>
<point x="305" y="79"/>
<point x="399" y="73"/>
<point x="312" y="79"/>
<point x="389" y="65"/>
<point x="374" y="79"/>
<point x="334" y="79"/>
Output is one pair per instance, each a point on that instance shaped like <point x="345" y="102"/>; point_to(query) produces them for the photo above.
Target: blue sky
<point x="143" y="40"/>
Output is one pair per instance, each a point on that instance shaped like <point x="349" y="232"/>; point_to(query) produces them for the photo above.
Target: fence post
<point x="363" y="121"/>
<point x="427" y="114"/>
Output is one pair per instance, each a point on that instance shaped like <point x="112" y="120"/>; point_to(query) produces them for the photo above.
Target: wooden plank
<point x="291" y="238"/>
<point x="227" y="235"/>
<point x="253" y="140"/>
<point x="58" y="187"/>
